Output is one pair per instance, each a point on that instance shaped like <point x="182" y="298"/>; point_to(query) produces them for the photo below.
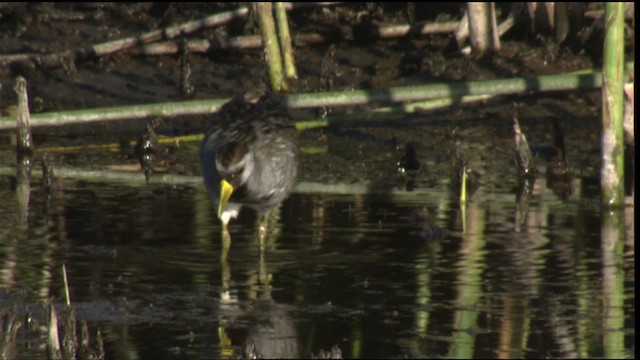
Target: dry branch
<point x="254" y="41"/>
<point x="110" y="47"/>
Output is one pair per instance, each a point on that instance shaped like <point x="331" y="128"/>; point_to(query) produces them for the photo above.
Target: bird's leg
<point x="263" y="275"/>
<point x="226" y="300"/>
<point x="263" y="228"/>
<point x="226" y="241"/>
<point x="225" y="296"/>
<point x="262" y="232"/>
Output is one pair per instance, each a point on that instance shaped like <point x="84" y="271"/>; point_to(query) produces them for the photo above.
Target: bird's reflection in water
<point x="271" y="333"/>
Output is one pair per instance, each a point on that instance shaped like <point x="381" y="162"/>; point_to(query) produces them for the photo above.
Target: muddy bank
<point x="352" y="60"/>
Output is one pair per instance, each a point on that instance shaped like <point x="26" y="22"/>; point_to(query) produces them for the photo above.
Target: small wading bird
<point x="249" y="157"/>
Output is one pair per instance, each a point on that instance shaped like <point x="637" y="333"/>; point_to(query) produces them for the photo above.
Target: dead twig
<point x="395" y="31"/>
<point x="110" y="47"/>
<point x="254" y="41"/>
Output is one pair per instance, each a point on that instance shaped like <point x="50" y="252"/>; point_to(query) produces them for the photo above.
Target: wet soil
<point x="355" y="60"/>
<point x="362" y="62"/>
<point x="362" y="272"/>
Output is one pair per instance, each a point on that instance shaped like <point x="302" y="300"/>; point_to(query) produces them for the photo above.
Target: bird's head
<point x="235" y="164"/>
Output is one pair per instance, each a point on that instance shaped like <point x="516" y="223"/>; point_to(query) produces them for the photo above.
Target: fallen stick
<point x="110" y="47"/>
<point x="395" y="31"/>
<point x="254" y="41"/>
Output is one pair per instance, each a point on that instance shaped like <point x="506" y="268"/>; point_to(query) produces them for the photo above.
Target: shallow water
<point x="387" y="274"/>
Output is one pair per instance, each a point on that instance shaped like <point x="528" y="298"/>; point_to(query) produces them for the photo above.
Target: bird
<point x="407" y="168"/>
<point x="409" y="162"/>
<point x="249" y="155"/>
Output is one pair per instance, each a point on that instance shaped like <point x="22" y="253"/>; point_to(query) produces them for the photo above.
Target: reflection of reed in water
<point x="318" y="218"/>
<point x="23" y="189"/>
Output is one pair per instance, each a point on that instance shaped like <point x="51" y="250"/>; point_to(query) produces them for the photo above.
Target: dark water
<point x="388" y="274"/>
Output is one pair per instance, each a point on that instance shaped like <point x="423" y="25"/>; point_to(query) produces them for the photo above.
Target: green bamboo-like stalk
<point x="383" y="112"/>
<point x="193" y="107"/>
<point x="300" y="125"/>
<point x="612" y="172"/>
<point x="453" y="92"/>
<point x="285" y="41"/>
<point x="271" y="46"/>
<point x="612" y="179"/>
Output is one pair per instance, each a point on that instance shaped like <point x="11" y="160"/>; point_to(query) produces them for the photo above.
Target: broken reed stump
<point x="53" y="340"/>
<point x="524" y="158"/>
<point x="9" y="326"/>
<point x="145" y="149"/>
<point x="25" y="141"/>
<point x="527" y="172"/>
<point x="72" y="345"/>
<point x="482" y="26"/>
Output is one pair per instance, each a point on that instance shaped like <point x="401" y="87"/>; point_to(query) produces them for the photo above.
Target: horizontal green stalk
<point x="452" y="91"/>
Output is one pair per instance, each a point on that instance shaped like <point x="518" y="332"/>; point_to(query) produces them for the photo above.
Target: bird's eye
<point x="236" y="173"/>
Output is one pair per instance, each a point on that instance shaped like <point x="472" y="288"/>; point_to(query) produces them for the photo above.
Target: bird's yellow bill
<point x="226" y="189"/>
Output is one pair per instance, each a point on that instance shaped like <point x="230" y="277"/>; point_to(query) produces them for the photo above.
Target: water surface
<point x="376" y="270"/>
